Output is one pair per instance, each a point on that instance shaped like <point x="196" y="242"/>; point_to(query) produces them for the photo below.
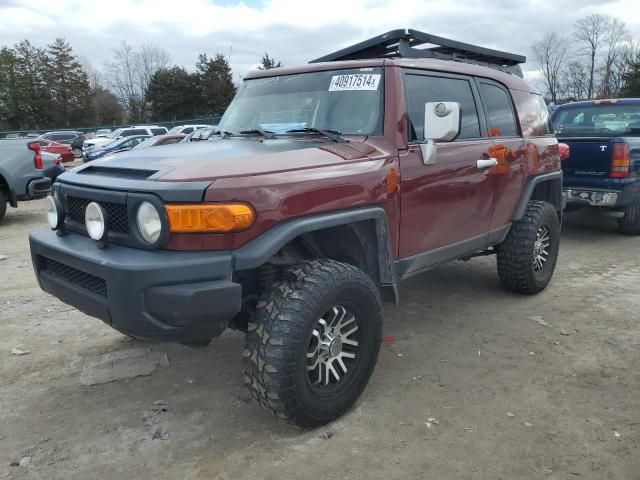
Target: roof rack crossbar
<point x="402" y="43"/>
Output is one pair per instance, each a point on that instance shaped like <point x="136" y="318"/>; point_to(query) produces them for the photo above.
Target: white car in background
<point x="118" y="133"/>
<point x="186" y="129"/>
<point x="102" y="132"/>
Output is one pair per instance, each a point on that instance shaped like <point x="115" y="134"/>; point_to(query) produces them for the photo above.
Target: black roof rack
<point x="402" y="43"/>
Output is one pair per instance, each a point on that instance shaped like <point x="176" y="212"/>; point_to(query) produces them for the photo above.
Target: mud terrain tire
<point x="286" y="363"/>
<point x="519" y="266"/>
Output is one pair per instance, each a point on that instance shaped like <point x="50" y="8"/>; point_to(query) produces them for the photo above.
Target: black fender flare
<point x="258" y="251"/>
<point x="531" y="185"/>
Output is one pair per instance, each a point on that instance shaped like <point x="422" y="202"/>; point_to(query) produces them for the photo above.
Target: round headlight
<point x="149" y="223"/>
<point x="94" y="221"/>
<point x="55" y="215"/>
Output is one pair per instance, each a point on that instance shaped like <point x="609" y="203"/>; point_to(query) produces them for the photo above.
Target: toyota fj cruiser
<point x="326" y="185"/>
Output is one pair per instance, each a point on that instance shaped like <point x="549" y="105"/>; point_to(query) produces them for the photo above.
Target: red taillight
<point x="620" y="161"/>
<point x="37" y="158"/>
<point x="565" y="151"/>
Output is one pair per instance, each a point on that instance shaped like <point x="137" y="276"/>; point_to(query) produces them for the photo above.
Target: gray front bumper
<point x="153" y="295"/>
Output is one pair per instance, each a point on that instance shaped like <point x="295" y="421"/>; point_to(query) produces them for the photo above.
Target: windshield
<point x="608" y="119"/>
<point x="115" y="133"/>
<point x="345" y="101"/>
<point x="147" y="143"/>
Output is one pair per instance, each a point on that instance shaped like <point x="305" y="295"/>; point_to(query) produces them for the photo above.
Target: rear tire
<point x="630" y="223"/>
<point x="527" y="257"/>
<point x="3" y="205"/>
<point x="313" y="342"/>
<point x="77" y="152"/>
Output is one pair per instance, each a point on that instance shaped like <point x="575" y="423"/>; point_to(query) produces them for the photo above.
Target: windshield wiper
<point x="259" y="131"/>
<point x="332" y="134"/>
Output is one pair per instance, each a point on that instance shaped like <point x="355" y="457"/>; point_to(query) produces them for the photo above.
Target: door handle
<point x="487" y="162"/>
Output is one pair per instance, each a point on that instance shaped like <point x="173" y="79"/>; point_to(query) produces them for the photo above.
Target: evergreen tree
<point x="632" y="79"/>
<point x="10" y="115"/>
<point x="267" y="63"/>
<point x="33" y="95"/>
<point x="214" y="84"/>
<point x="172" y="94"/>
<point x="69" y="86"/>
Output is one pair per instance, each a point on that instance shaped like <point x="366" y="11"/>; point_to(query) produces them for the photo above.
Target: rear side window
<point x="158" y="131"/>
<point x="420" y="89"/>
<point x="543" y="113"/>
<point x="187" y="130"/>
<point x="502" y="121"/>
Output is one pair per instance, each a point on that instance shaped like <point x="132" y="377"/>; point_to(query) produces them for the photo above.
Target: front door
<point x="445" y="207"/>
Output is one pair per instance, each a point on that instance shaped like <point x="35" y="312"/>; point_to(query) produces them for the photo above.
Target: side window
<point x="543" y="114"/>
<point x="502" y="122"/>
<point x="158" y="131"/>
<point x="187" y="130"/>
<point x="420" y="89"/>
<point x="135" y="131"/>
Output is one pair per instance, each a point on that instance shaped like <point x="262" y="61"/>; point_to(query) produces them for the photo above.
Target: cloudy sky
<point x="293" y="31"/>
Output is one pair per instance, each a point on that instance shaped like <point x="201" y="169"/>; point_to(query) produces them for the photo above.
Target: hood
<point x="210" y="160"/>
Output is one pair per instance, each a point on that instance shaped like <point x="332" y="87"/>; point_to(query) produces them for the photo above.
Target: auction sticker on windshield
<point x="356" y="81"/>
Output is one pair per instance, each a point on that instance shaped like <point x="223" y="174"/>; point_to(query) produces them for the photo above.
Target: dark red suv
<point x="325" y="187"/>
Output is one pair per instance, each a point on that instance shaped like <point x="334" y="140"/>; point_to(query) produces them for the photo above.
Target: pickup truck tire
<point x="3" y="205"/>
<point x="630" y="223"/>
<point x="527" y="257"/>
<point x="313" y="342"/>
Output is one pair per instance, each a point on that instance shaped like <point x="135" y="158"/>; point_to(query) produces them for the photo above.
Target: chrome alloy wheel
<point x="333" y="347"/>
<point x="541" y="248"/>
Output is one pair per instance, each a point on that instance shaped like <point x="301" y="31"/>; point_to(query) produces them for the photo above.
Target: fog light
<point x="149" y="223"/>
<point x="95" y="221"/>
<point x="55" y="214"/>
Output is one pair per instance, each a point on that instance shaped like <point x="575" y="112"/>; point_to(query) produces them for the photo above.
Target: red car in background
<point x="65" y="152"/>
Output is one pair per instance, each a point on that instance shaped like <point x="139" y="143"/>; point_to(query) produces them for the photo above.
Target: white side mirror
<point x="442" y="122"/>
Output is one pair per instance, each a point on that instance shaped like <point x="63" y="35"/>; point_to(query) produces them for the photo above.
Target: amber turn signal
<point x="209" y="217"/>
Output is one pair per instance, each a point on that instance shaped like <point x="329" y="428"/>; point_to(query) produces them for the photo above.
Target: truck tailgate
<point x="589" y="157"/>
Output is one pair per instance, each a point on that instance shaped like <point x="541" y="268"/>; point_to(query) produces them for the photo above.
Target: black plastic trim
<point x="260" y="250"/>
<point x="167" y="191"/>
<point x="532" y="182"/>
<point x="155" y="295"/>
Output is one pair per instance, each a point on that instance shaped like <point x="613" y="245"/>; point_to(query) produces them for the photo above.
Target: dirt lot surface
<point x="476" y="383"/>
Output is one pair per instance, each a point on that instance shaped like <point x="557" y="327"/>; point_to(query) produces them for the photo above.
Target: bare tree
<point x="550" y="53"/>
<point x="617" y="40"/>
<point x="589" y="33"/>
<point x="575" y="80"/>
<point x="129" y="73"/>
<point x="150" y="60"/>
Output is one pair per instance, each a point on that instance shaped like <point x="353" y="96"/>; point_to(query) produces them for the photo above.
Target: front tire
<point x="313" y="342"/>
<point x="77" y="152"/>
<point x="630" y="223"/>
<point x="3" y="205"/>
<point x="527" y="257"/>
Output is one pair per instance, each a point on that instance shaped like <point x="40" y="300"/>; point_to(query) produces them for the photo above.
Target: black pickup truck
<point x="603" y="169"/>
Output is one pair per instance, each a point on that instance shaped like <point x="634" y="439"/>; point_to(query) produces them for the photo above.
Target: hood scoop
<point x="118" y="172"/>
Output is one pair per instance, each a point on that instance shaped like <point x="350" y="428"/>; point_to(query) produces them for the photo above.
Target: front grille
<point x="118" y="218"/>
<point x="84" y="280"/>
<point x="134" y="173"/>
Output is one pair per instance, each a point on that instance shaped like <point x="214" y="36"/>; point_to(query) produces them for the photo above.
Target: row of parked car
<point x="30" y="165"/>
<point x="143" y="136"/>
<point x="71" y="144"/>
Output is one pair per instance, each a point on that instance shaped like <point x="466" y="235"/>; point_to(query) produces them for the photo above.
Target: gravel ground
<point x="475" y="383"/>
